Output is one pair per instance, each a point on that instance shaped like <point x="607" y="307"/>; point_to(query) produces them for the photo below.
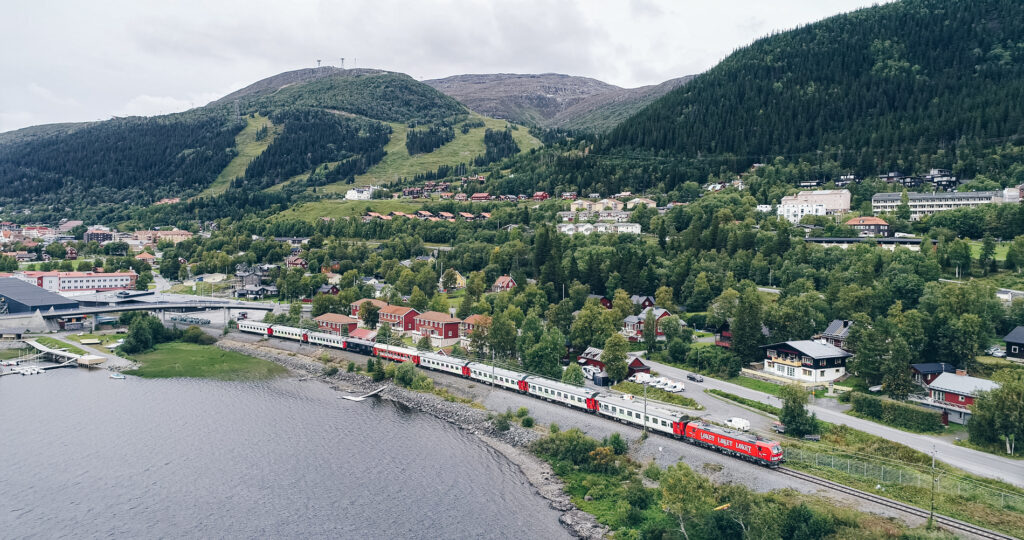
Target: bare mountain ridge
<point x="274" y="83"/>
<point x="551" y="99"/>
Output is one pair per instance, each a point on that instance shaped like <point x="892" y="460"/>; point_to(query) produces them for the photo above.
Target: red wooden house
<point x="592" y="357"/>
<point x="437" y="325"/>
<point x="332" y="323"/>
<point x="954" y="393"/>
<point x="540" y="196"/>
<point x="353" y="308"/>
<point x="399" y="318"/>
<point x="503" y="283"/>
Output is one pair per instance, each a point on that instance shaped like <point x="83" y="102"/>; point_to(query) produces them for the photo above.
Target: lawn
<point x="398" y="163"/>
<point x="1001" y="249"/>
<point x="57" y="344"/>
<point x="178" y="359"/>
<point x="756" y="384"/>
<point x="104" y="338"/>
<point x="7" y="354"/>
<point x="339" y="208"/>
<point x="248" y="148"/>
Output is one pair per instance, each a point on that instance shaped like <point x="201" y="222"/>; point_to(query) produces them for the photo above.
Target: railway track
<point x="945" y="521"/>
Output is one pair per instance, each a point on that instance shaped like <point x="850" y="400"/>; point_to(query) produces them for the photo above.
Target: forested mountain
<point x="328" y="116"/>
<point x="886" y="87"/>
<point x="551" y="99"/>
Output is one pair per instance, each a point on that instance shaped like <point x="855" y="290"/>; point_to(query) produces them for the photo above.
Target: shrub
<point x="331" y="371"/>
<point x="405" y="373"/>
<point x="616" y="443"/>
<point x="501" y="424"/>
<point x="522" y="412"/>
<point x="351" y="367"/>
<point x="422" y="383"/>
<point x="390" y="370"/>
<point x="653" y="471"/>
<point x="571" y="446"/>
<point x="527" y="422"/>
<point x="553" y="428"/>
<point x="896" y="414"/>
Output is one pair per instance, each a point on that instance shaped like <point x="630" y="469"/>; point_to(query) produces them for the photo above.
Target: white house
<point x="360" y="193"/>
<point x="814" y="203"/>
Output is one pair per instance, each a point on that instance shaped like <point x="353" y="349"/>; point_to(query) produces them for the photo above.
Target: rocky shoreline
<point x="511" y="444"/>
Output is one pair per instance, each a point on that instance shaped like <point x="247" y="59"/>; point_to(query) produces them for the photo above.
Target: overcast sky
<point x="69" y="60"/>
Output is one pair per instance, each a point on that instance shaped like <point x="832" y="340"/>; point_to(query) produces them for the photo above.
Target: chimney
<point x="961" y="372"/>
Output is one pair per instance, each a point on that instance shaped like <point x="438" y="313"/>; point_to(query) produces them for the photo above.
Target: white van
<point x="590" y="371"/>
<point x="741" y="424"/>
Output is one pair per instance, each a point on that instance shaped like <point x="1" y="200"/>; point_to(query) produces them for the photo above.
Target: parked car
<point x="662" y="383"/>
<point x="590" y="371"/>
<point x="778" y="427"/>
<point x="694" y="377"/>
<point x="641" y="378"/>
<point x="675" y="387"/>
<point x="996" y="352"/>
<point x="741" y="424"/>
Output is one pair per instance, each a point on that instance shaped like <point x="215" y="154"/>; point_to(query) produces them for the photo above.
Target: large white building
<point x="926" y="204"/>
<point x="824" y="202"/>
<point x="79" y="282"/>
<point x="360" y="193"/>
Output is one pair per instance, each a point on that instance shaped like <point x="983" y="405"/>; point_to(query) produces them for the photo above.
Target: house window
<point x="961" y="399"/>
<point x="1013" y="349"/>
<point x="771" y="353"/>
<point x="806" y="372"/>
<point x="938" y="395"/>
<point x="789" y="371"/>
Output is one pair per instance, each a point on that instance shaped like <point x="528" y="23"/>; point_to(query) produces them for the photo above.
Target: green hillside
<point x="248" y="144"/>
<point x="98" y="168"/>
<point x="898" y="86"/>
<point x="399" y="164"/>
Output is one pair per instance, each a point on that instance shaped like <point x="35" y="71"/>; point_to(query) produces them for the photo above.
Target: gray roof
<point x="962" y="195"/>
<point x="812" y="348"/>
<point x="928" y="368"/>
<point x="1016" y="335"/>
<point x="32" y="296"/>
<point x="964" y="385"/>
<point x="838" y="328"/>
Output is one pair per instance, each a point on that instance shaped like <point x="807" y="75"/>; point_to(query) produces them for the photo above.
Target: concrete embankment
<point x="511" y="444"/>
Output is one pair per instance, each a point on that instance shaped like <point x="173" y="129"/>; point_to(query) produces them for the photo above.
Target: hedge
<point x="896" y="414"/>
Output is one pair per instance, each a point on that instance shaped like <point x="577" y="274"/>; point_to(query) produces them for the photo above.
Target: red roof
<point x="374" y="301"/>
<point x="335" y="318"/>
<point x="504" y="281"/>
<point x="868" y="220"/>
<point x="478" y="319"/>
<point x="437" y="316"/>
<point x="363" y="333"/>
<point x="396" y="310"/>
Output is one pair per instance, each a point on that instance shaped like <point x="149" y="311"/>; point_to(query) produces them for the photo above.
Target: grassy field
<point x="1001" y="249"/>
<point x="336" y="208"/>
<point x="248" y="148"/>
<point x="178" y="359"/>
<point x="104" y="338"/>
<point x="398" y="163"/>
<point x="57" y="344"/>
<point x="7" y="354"/>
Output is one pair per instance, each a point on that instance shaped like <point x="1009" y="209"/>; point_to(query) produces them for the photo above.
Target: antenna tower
<point x="342" y="62"/>
<point x="318" y="63"/>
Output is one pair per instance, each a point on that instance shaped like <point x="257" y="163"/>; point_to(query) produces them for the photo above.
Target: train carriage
<point x="444" y="363"/>
<point x="396" y="354"/>
<point x="735" y="443"/>
<point x="505" y="378"/>
<point x="359" y="346"/>
<point x="327" y="340"/>
<point x="288" y="332"/>
<point x="629" y="409"/>
<point x="254" y="327"/>
<point x="559" y="392"/>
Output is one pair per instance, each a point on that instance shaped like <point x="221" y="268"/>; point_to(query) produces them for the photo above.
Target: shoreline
<point x="510" y="444"/>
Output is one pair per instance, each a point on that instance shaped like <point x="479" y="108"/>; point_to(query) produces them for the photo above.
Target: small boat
<point x="117" y="376"/>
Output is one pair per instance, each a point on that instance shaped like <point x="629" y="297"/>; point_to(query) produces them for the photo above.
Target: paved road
<point x="973" y="461"/>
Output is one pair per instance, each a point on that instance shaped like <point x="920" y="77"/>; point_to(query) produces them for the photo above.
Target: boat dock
<point x="62" y="357"/>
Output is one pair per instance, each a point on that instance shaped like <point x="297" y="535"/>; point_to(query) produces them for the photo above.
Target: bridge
<point x="197" y="305"/>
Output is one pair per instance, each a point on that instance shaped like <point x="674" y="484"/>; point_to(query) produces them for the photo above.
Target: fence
<point x="892" y="474"/>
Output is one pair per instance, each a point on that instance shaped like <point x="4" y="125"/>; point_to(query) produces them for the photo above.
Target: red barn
<point x="399" y="318"/>
<point x="438" y="325"/>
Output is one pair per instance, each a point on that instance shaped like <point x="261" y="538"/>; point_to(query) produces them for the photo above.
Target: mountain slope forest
<point x="334" y="119"/>
<point x="892" y="87"/>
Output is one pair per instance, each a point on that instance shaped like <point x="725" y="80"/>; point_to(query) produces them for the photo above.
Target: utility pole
<point x="931" y="513"/>
<point x="645" y="409"/>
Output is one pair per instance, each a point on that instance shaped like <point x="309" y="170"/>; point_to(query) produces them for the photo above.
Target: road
<point x="972" y="461"/>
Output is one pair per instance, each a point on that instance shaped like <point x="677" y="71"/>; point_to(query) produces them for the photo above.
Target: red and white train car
<point x="559" y="392"/>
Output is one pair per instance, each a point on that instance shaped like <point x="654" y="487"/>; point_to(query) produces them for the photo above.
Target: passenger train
<point x="658" y="417"/>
